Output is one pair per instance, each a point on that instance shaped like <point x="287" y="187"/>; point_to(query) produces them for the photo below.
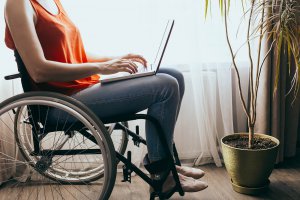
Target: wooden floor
<point x="285" y="185"/>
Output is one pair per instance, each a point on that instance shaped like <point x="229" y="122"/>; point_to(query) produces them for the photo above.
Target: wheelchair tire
<point x="55" y="166"/>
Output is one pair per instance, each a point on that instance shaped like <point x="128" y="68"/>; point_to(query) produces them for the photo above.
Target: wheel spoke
<point x="52" y="125"/>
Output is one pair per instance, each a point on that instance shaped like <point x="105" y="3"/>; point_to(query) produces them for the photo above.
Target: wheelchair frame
<point x="128" y="167"/>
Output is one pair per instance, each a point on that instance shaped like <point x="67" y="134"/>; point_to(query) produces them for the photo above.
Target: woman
<point x="51" y="48"/>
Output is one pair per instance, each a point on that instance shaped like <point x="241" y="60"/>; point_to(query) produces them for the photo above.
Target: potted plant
<point x="250" y="157"/>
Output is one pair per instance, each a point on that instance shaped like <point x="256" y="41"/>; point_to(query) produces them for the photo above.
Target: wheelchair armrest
<point x="13" y="76"/>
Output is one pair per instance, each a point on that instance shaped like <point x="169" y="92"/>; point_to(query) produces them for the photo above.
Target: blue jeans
<point x="160" y="94"/>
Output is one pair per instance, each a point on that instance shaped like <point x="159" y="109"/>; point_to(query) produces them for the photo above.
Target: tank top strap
<point x="60" y="7"/>
<point x="35" y="6"/>
<point x="38" y="8"/>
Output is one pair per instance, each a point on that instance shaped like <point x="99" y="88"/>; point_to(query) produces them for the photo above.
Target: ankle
<point x="158" y="168"/>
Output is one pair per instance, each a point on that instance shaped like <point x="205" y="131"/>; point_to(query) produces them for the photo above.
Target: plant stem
<point x="259" y="74"/>
<point x="251" y="134"/>
<point x="234" y="63"/>
<point x="258" y="62"/>
<point x="251" y="63"/>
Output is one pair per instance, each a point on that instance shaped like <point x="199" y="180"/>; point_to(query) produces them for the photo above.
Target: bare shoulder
<point x="18" y="5"/>
<point x="18" y="8"/>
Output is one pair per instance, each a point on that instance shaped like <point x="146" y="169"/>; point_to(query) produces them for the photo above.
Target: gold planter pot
<point x="249" y="169"/>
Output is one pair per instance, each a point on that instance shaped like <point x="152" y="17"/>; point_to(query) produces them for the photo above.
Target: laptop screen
<point x="163" y="45"/>
<point x="151" y="70"/>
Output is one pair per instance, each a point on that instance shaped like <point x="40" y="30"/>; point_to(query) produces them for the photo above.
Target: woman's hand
<point x="118" y="65"/>
<point x="122" y="64"/>
<point x="135" y="58"/>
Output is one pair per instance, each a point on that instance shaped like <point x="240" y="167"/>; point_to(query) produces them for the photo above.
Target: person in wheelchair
<point x="50" y="47"/>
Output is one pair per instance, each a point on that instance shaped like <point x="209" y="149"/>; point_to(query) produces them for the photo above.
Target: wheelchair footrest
<point x="163" y="195"/>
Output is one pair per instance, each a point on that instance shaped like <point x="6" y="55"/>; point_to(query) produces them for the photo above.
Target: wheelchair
<point x="64" y="151"/>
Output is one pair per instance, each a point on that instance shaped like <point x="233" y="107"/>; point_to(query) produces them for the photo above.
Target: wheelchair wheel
<point x="119" y="136"/>
<point x="65" y="151"/>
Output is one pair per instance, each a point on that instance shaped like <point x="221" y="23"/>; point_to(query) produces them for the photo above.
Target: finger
<point x="127" y="69"/>
<point x="116" y="62"/>
<point x="128" y="56"/>
<point x="139" y="60"/>
<point x="125" y="66"/>
<point x="133" y="67"/>
<point x="124" y="60"/>
<point x="144" y="61"/>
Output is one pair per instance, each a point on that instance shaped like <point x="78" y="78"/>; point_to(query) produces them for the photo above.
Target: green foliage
<point x="221" y="5"/>
<point x="277" y="21"/>
<point x="284" y="18"/>
<point x="280" y="25"/>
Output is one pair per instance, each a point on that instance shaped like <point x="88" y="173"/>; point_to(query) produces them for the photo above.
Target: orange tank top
<point x="61" y="41"/>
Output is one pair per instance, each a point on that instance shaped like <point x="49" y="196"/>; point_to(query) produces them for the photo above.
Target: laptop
<point x="142" y="71"/>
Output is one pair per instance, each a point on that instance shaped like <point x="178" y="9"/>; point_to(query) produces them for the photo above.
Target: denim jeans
<point x="160" y="94"/>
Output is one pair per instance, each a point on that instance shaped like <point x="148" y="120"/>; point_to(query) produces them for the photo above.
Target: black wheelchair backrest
<point x="25" y="78"/>
<point x="27" y="83"/>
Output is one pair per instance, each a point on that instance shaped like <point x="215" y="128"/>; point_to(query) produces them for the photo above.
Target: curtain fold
<point x="209" y="108"/>
<point x="278" y="110"/>
<point x="213" y="107"/>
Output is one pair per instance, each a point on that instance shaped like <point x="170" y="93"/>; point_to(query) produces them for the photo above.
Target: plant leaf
<point x="278" y="55"/>
<point x="221" y="6"/>
<point x="206" y="8"/>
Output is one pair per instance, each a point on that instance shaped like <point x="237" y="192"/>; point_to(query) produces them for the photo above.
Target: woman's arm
<point x="19" y="16"/>
<point x="134" y="57"/>
<point x="96" y="58"/>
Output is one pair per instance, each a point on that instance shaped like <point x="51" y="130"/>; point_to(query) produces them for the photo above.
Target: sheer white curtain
<point x="197" y="47"/>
